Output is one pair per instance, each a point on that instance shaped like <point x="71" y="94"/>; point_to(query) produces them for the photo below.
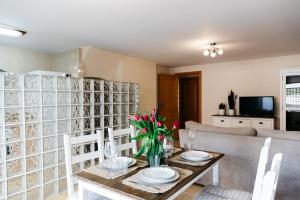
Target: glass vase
<point x="154" y="161"/>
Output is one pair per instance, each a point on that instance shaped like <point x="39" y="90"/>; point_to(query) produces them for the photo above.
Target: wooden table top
<point x="116" y="184"/>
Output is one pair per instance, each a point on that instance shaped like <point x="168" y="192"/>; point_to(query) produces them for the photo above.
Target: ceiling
<point x="168" y="32"/>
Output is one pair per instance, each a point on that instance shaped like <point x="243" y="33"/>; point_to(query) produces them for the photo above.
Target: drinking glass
<point x="168" y="147"/>
<point x="111" y="155"/>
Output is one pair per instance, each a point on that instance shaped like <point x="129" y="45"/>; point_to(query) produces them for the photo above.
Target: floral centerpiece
<point x="151" y="131"/>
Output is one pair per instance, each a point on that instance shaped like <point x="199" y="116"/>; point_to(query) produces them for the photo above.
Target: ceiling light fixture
<point x="213" y="50"/>
<point x="8" y="31"/>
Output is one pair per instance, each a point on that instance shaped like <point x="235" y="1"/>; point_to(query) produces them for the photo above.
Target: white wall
<point x="13" y="59"/>
<point x="259" y="77"/>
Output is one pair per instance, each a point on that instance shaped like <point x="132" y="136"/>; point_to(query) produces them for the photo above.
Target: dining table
<point x="116" y="189"/>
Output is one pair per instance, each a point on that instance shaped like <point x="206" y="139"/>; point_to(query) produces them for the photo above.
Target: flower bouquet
<point x="151" y="131"/>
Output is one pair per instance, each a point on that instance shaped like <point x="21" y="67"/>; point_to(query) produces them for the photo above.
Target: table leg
<point x="216" y="174"/>
<point x="80" y="190"/>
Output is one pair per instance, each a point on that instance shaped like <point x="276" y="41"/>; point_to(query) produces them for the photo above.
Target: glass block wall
<point x="36" y="111"/>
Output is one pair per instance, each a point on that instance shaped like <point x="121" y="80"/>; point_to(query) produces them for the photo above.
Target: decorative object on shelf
<point x="151" y="130"/>
<point x="213" y="50"/>
<point x="221" y="109"/>
<point x="231" y="103"/>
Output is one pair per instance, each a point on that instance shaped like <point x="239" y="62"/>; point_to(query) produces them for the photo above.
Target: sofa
<point x="241" y="147"/>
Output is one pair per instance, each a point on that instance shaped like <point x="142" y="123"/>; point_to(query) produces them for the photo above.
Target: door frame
<point x="187" y="75"/>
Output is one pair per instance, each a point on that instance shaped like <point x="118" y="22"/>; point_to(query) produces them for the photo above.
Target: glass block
<point x="20" y="196"/>
<point x="76" y="98"/>
<point x="75" y="134"/>
<point x="32" y="98"/>
<point x="61" y="156"/>
<point x="124" y="87"/>
<point x="63" y="126"/>
<point x="86" y="97"/>
<point x="75" y="84"/>
<point x="107" y="110"/>
<point x="97" y="97"/>
<point x="76" y="125"/>
<point x="124" y="119"/>
<point x="35" y="194"/>
<point x="87" y="85"/>
<point x="14" y="150"/>
<point x="48" y="83"/>
<point x="117" y="98"/>
<point x="97" y="110"/>
<point x="33" y="162"/>
<point x="117" y="109"/>
<point x="131" y="87"/>
<point x="49" y="98"/>
<point x="76" y="168"/>
<point x="106" y="86"/>
<point x="132" y="108"/>
<point x="125" y="109"/>
<point x="115" y="121"/>
<point x="106" y="97"/>
<point x="33" y="130"/>
<point x="1" y="115"/>
<point x="2" y="189"/>
<point x="33" y="179"/>
<point x="49" y="113"/>
<point x="14" y="167"/>
<point x="97" y="85"/>
<point x="63" y="98"/>
<point x="60" y="142"/>
<point x="32" y="114"/>
<point x="132" y="98"/>
<point x="124" y="98"/>
<point x="49" y="190"/>
<point x="49" y="128"/>
<point x="2" y="170"/>
<point x="97" y="121"/>
<point x="12" y="98"/>
<point x="32" y="82"/>
<point x="87" y="123"/>
<point x="116" y="87"/>
<point x="86" y="111"/>
<point x="75" y="111"/>
<point x="62" y="185"/>
<point x="106" y="121"/>
<point x="76" y="150"/>
<point x="63" y="83"/>
<point x="12" y="115"/>
<point x="49" y="159"/>
<point x="63" y="112"/>
<point x="11" y="81"/>
<point x="49" y="174"/>
<point x="49" y="143"/>
<point x="33" y="146"/>
<point x="87" y="164"/>
<point x="12" y="133"/>
<point x="61" y="171"/>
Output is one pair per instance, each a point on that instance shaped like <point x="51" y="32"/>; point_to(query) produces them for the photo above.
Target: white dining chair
<point x="213" y="190"/>
<point x="80" y="158"/>
<point x="120" y="140"/>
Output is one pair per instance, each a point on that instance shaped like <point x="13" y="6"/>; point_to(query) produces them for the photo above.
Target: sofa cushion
<point x="287" y="135"/>
<point x="221" y="130"/>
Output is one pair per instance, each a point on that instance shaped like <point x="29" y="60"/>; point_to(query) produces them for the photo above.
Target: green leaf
<point x="140" y="152"/>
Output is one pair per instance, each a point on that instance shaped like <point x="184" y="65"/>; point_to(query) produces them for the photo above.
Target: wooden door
<point x="168" y="99"/>
<point x="189" y="99"/>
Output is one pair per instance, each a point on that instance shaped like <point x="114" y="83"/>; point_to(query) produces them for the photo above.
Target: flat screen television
<point x="260" y="106"/>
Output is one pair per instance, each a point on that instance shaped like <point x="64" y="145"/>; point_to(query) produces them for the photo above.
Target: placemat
<point x="135" y="182"/>
<point x="104" y="173"/>
<point x="180" y="160"/>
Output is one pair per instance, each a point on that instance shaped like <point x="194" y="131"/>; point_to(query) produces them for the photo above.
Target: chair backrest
<point x="81" y="156"/>
<point x="268" y="190"/>
<point x="261" y="169"/>
<point x="119" y="135"/>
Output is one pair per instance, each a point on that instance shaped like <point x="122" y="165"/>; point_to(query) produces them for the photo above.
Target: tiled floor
<point x="189" y="194"/>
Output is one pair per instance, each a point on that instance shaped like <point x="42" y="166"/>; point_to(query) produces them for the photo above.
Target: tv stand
<point x="240" y="121"/>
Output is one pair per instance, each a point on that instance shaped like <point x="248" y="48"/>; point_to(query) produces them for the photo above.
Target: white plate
<point x="107" y="163"/>
<point x="157" y="180"/>
<point x="158" y="173"/>
<point x="196" y="155"/>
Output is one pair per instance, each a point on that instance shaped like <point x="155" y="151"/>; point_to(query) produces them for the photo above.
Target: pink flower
<point x="176" y="125"/>
<point x="152" y="118"/>
<point x="158" y="124"/>
<point x="145" y="118"/>
<point x="136" y="117"/>
<point x="161" y="137"/>
<point x="153" y="111"/>
<point x="144" y="130"/>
